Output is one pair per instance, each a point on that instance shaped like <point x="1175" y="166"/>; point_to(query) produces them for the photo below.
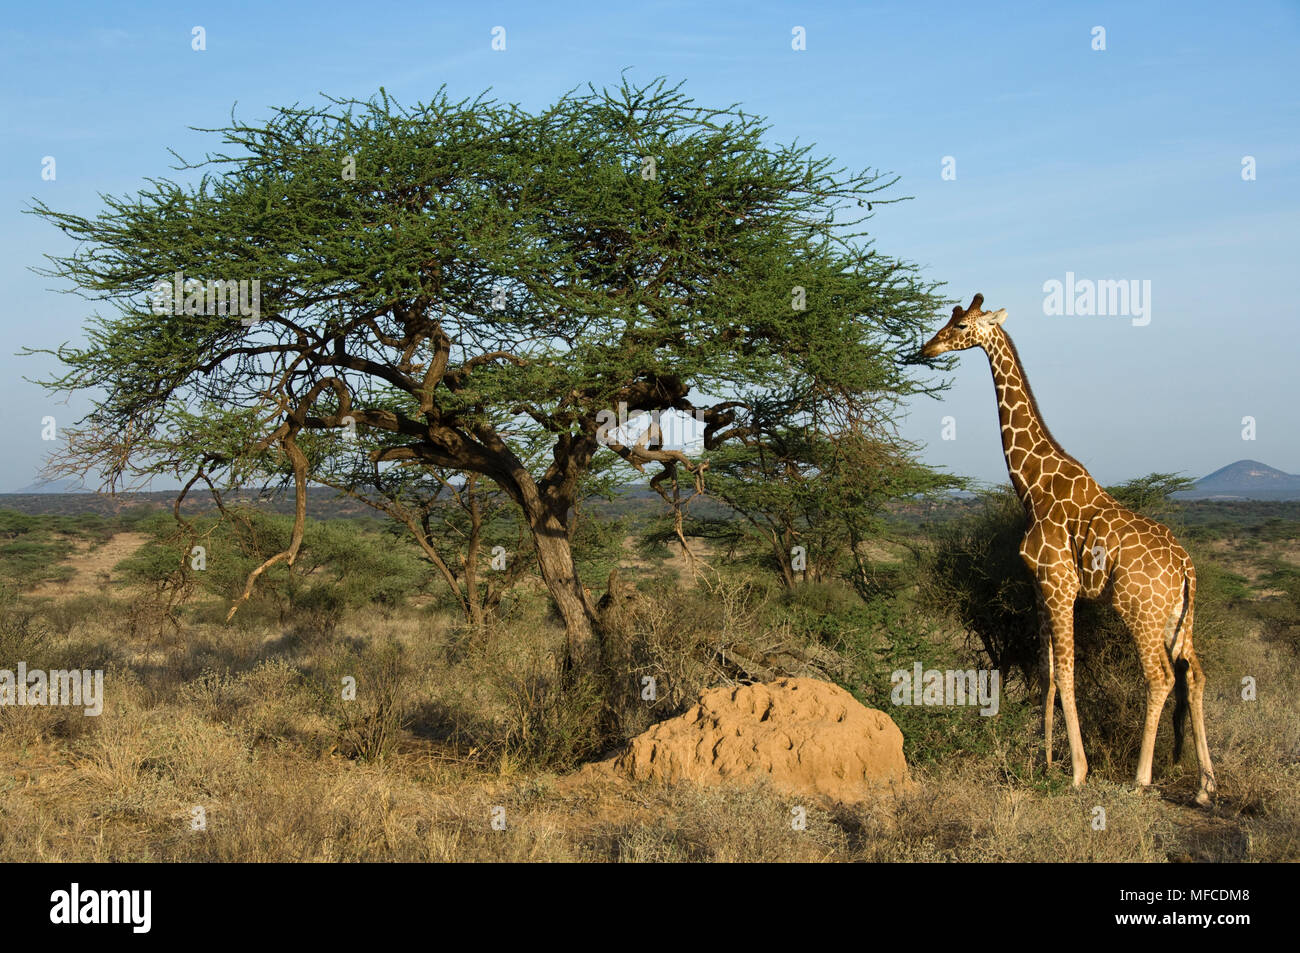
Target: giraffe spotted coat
<point x="1081" y="542"/>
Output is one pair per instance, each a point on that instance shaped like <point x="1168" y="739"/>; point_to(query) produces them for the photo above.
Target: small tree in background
<point x="823" y="493"/>
<point x="1151" y="495"/>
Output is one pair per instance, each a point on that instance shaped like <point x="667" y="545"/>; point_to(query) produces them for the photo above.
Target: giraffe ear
<point x="994" y="318"/>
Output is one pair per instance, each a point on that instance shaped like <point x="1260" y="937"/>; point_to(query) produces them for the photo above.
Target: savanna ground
<point x="246" y="719"/>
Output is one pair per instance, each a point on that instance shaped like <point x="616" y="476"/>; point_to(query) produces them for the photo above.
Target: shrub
<point x="975" y="572"/>
<point x="554" y="721"/>
<point x="368" y="725"/>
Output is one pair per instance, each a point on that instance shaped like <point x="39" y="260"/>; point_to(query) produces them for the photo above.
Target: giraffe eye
<point x="961" y="327"/>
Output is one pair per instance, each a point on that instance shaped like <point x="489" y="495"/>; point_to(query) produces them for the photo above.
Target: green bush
<point x="974" y="571"/>
<point x="33" y="547"/>
<point x="342" y="564"/>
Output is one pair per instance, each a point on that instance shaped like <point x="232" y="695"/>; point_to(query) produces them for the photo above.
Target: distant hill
<point x="55" y="486"/>
<point x="1245" y="480"/>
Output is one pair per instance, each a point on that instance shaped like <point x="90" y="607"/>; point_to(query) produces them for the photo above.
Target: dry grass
<point x="256" y="740"/>
<point x="248" y="724"/>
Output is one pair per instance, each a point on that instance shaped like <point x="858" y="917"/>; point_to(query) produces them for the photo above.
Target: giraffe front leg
<point x="1047" y="673"/>
<point x="1058" y="597"/>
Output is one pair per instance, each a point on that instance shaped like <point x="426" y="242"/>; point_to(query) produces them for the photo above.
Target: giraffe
<point x="1081" y="542"/>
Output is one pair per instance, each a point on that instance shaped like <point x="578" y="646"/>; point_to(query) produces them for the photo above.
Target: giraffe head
<point x="969" y="327"/>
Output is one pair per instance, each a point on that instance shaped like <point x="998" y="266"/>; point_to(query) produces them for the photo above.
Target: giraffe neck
<point x="1027" y="444"/>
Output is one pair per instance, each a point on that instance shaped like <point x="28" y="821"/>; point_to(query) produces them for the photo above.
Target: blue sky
<point x="1123" y="163"/>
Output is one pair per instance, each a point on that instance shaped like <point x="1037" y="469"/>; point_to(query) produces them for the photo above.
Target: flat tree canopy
<point x="444" y="286"/>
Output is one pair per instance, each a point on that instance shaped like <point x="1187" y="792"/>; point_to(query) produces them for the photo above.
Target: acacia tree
<point x="452" y="277"/>
<point x="1151" y="495"/>
<point x="821" y="492"/>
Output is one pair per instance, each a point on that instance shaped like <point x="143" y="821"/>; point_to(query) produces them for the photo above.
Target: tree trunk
<point x="472" y="601"/>
<point x="555" y="561"/>
<point x="781" y="550"/>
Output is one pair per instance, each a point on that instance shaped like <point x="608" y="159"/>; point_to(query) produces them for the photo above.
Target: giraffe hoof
<point x="1204" y="798"/>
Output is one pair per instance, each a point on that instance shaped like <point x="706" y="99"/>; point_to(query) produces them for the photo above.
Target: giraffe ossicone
<point x="1142" y="570"/>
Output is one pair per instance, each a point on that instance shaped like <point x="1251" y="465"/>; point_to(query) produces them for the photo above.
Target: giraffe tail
<point x="1180" y="672"/>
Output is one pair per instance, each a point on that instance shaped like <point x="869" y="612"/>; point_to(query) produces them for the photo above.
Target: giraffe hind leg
<point x="1191" y="685"/>
<point x="1158" y="670"/>
<point x="1196" y="699"/>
